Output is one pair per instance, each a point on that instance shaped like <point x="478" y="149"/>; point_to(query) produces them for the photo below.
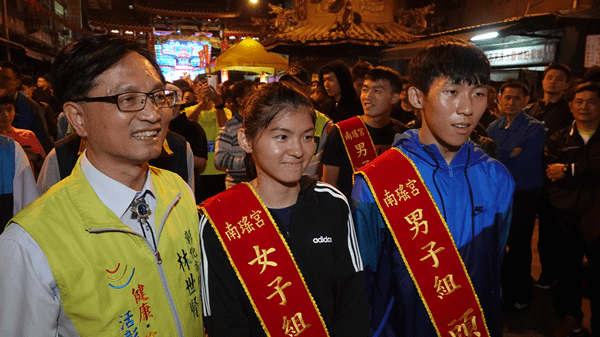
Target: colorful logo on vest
<point x="117" y="278"/>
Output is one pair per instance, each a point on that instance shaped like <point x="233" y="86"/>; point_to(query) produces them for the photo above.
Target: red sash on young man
<point x="357" y="141"/>
<point x="263" y="263"/>
<point x="426" y="245"/>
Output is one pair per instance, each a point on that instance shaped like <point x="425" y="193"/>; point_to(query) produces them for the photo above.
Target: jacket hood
<point x="469" y="154"/>
<point x="344" y="77"/>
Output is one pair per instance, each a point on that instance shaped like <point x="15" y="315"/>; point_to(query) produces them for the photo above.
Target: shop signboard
<point x="592" y="51"/>
<point x="522" y="56"/>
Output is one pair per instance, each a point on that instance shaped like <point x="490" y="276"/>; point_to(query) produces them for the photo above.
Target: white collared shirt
<point x="118" y="197"/>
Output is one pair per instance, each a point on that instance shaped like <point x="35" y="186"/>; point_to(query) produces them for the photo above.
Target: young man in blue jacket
<point x="450" y="191"/>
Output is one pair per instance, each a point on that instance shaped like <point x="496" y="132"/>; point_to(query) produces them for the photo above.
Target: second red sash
<point x="263" y="263"/>
<point x="426" y="245"/>
<point x="357" y="141"/>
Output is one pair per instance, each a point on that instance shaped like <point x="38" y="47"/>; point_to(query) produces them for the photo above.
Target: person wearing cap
<point x="299" y="78"/>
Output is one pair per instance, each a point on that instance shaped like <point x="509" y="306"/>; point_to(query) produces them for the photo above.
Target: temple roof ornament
<point x="326" y="22"/>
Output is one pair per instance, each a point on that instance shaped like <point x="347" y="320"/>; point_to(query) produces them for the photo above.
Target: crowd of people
<point x="364" y="203"/>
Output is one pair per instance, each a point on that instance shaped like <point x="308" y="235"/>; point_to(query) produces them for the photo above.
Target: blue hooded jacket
<point x="474" y="195"/>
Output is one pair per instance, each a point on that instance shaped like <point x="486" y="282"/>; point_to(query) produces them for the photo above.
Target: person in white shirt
<point x="17" y="186"/>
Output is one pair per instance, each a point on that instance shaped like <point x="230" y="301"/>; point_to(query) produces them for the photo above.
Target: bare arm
<point x="199" y="164"/>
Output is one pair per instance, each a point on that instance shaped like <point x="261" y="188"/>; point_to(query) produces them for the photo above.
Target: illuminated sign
<point x="180" y="56"/>
<point x="531" y="55"/>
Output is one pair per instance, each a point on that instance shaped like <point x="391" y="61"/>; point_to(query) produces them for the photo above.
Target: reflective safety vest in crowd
<point x="110" y="279"/>
<point x="208" y="121"/>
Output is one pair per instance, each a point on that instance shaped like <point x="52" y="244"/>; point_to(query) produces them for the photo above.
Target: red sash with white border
<point x="426" y="245"/>
<point x="357" y="141"/>
<point x="263" y="263"/>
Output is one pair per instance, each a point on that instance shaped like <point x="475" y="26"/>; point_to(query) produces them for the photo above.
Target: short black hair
<point x="360" y="69"/>
<point x="183" y="85"/>
<point x="592" y="74"/>
<point x="226" y="95"/>
<point x="587" y="86"/>
<point x="27" y="81"/>
<point x="239" y="88"/>
<point x="558" y="66"/>
<point x="447" y="56"/>
<point x="5" y="98"/>
<point x="79" y="63"/>
<point x="16" y="70"/>
<point x="386" y="74"/>
<point x="516" y="84"/>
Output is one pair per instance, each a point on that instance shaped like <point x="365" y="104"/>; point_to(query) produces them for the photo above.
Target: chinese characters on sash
<point x="426" y="245"/>
<point x="357" y="142"/>
<point x="264" y="264"/>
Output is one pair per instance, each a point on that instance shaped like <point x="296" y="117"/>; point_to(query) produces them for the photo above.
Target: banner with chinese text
<point x="263" y="263"/>
<point x="357" y="141"/>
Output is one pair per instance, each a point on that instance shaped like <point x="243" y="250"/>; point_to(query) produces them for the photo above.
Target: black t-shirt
<point x="335" y="154"/>
<point x="339" y="111"/>
<point x="193" y="134"/>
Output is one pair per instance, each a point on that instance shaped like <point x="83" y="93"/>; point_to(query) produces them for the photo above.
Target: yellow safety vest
<point x="109" y="277"/>
<point x="208" y="120"/>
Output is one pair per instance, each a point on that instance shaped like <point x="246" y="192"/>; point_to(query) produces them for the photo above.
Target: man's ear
<point x="74" y="113"/>
<point x="244" y="141"/>
<point x="416" y="97"/>
<point x="395" y="98"/>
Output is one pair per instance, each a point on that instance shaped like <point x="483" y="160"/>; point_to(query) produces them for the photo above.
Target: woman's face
<point x="284" y="149"/>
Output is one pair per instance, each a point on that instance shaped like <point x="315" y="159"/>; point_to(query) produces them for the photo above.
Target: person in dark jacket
<point x="313" y="218"/>
<point x="521" y="139"/>
<point x="337" y="80"/>
<point x="553" y="111"/>
<point x="192" y="132"/>
<point x="572" y="162"/>
<point x="471" y="191"/>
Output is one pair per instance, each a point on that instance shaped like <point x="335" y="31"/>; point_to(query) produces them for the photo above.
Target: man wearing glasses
<point x="113" y="248"/>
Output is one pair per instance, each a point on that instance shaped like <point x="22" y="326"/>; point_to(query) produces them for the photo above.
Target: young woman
<point x="269" y="242"/>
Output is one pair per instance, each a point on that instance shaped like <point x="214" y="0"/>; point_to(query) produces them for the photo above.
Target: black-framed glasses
<point x="136" y="101"/>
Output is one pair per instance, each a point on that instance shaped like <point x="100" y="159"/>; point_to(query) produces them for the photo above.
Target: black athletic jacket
<point x="332" y="270"/>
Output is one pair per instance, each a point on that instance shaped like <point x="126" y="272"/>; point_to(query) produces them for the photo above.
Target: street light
<point x="484" y="36"/>
<point x="254" y="2"/>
